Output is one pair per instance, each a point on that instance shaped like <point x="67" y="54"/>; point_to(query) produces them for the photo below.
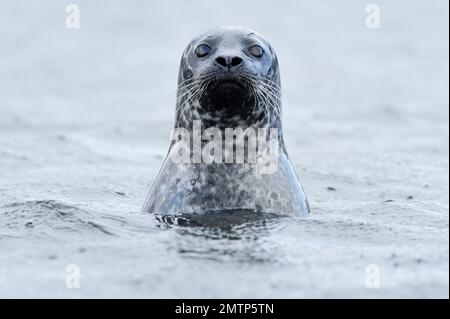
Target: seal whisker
<point x="191" y="95"/>
<point x="271" y="102"/>
<point x="275" y="98"/>
<point x="271" y="89"/>
<point x="194" y="79"/>
<point x="183" y="86"/>
<point x="266" y="82"/>
<point x="270" y="99"/>
<point x="197" y="92"/>
<point x="252" y="90"/>
<point x="265" y="103"/>
<point x="189" y="92"/>
<point x="189" y="83"/>
<point x="187" y="88"/>
<point x="271" y="86"/>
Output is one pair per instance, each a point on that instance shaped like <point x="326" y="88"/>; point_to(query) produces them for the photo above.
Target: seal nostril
<point x="222" y="61"/>
<point x="229" y="62"/>
<point x="236" y="61"/>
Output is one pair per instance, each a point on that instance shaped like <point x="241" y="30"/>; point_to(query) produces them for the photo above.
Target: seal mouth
<point x="228" y="94"/>
<point x="229" y="85"/>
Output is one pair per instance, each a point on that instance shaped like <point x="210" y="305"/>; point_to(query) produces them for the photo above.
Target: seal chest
<point x="227" y="151"/>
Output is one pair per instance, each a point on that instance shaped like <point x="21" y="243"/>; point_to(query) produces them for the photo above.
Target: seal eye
<point x="256" y="51"/>
<point x="202" y="50"/>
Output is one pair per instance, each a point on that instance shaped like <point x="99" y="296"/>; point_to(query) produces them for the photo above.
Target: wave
<point x="55" y="220"/>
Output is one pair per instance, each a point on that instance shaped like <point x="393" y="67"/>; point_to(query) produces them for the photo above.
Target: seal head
<point x="228" y="68"/>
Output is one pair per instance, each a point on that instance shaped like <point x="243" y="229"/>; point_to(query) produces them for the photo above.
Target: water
<point x="84" y="127"/>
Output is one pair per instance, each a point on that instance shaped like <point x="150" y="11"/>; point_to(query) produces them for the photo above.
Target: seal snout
<point x="229" y="62"/>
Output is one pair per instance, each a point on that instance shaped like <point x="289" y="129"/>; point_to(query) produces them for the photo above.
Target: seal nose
<point x="229" y="62"/>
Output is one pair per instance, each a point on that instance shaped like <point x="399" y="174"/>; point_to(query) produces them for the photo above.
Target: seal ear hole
<point x="188" y="73"/>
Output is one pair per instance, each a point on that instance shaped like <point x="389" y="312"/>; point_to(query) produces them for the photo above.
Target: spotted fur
<point x="252" y="100"/>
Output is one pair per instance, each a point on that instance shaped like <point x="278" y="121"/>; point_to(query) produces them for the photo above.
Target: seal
<point x="227" y="151"/>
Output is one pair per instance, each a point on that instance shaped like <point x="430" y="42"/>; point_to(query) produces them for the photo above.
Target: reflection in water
<point x="232" y="236"/>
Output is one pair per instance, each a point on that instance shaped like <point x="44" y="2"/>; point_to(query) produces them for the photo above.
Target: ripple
<point x="48" y="219"/>
<point x="241" y="236"/>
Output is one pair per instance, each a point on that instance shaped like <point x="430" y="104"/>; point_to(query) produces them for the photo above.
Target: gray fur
<point x="201" y="188"/>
